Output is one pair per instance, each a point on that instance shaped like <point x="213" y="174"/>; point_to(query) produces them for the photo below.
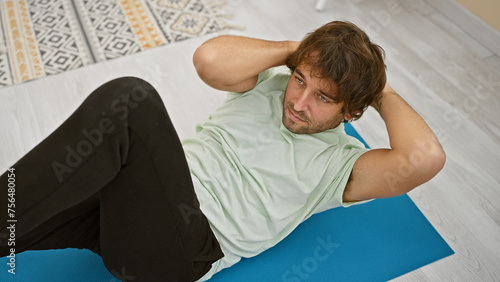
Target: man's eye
<point x="323" y="98"/>
<point x="299" y="81"/>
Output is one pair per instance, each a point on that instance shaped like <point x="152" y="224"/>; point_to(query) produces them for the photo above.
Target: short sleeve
<point x="263" y="76"/>
<point x="345" y="163"/>
<point x="269" y="73"/>
<point x="345" y="178"/>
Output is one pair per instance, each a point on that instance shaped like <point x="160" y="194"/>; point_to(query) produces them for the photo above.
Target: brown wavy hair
<point x="343" y="54"/>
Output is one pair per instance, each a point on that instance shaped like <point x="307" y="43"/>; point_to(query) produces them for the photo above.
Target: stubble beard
<point x="307" y="126"/>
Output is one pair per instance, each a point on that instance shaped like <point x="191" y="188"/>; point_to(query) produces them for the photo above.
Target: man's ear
<point x="349" y="117"/>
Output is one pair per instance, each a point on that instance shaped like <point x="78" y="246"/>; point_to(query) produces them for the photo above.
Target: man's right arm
<point x="233" y="63"/>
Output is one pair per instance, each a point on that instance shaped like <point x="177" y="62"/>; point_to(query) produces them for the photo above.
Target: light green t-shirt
<point x="255" y="180"/>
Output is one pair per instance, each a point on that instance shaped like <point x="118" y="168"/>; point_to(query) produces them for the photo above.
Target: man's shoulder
<point x="272" y="79"/>
<point x="273" y="73"/>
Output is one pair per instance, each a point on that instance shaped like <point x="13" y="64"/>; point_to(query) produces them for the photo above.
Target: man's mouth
<point x="293" y="116"/>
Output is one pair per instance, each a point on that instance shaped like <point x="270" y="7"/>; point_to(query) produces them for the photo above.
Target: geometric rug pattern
<point x="45" y="37"/>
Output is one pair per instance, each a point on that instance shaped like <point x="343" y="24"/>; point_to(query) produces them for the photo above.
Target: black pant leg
<point x="81" y="178"/>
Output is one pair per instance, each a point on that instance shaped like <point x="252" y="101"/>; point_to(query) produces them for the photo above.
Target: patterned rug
<point x="45" y="37"/>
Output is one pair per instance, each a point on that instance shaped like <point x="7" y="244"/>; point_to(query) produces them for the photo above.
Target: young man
<point x="115" y="179"/>
<point x="289" y="156"/>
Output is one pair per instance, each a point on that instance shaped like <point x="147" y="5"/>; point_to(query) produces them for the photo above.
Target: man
<point x="294" y="172"/>
<point x="115" y="179"/>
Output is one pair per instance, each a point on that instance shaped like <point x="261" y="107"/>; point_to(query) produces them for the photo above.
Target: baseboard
<point x="469" y="22"/>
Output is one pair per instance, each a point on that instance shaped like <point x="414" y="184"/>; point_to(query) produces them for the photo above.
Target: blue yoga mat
<point x="376" y="241"/>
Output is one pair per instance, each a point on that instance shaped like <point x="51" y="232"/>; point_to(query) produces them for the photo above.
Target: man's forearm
<point x="227" y="61"/>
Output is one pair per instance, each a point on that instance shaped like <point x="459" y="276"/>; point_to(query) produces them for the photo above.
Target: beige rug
<point x="45" y="37"/>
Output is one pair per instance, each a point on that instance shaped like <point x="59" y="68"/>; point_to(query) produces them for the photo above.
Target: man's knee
<point x="138" y="90"/>
<point x="122" y="95"/>
<point x="132" y="87"/>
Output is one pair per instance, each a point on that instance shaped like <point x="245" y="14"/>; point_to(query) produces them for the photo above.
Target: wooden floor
<point x="447" y="76"/>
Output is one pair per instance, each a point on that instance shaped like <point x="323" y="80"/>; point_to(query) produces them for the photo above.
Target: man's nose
<point x="302" y="103"/>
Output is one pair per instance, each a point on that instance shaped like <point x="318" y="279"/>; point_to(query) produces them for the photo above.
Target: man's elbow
<point x="209" y="67"/>
<point x="432" y="162"/>
<point x="436" y="159"/>
<point x="439" y="161"/>
<point x="415" y="168"/>
<point x="203" y="59"/>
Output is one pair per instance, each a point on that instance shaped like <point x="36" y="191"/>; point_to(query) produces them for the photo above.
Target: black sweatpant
<point x="113" y="179"/>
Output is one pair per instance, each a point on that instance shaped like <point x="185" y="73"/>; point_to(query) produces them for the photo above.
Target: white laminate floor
<point x="449" y="78"/>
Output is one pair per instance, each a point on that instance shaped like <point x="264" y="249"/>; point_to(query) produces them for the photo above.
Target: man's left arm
<point x="414" y="158"/>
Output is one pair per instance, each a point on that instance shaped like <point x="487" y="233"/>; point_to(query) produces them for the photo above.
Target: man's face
<point x="308" y="106"/>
